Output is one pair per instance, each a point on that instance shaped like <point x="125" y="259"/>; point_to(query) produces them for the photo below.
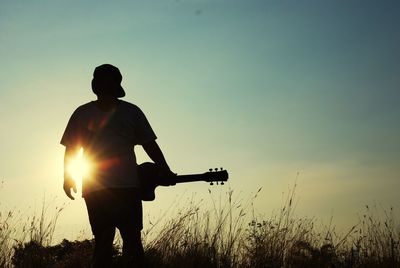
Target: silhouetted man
<point x="108" y="129"/>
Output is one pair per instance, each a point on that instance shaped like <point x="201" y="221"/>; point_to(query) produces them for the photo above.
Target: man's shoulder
<point x="82" y="110"/>
<point x="84" y="107"/>
<point x="130" y="106"/>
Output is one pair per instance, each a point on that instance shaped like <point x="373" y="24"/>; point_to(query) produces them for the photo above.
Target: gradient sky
<point x="265" y="89"/>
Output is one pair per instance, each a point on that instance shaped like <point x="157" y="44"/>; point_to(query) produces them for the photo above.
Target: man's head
<point x="107" y="81"/>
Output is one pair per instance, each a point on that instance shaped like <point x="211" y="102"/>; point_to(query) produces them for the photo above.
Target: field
<point x="228" y="234"/>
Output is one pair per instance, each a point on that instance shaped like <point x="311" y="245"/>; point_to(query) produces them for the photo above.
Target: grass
<point x="29" y="233"/>
<point x="227" y="234"/>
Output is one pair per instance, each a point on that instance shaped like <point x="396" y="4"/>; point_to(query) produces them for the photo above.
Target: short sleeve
<point x="72" y="134"/>
<point x="143" y="131"/>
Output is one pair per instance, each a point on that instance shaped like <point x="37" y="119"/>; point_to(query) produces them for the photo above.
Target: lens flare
<point x="79" y="167"/>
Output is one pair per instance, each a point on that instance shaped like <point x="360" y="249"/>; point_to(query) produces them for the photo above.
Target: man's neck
<point x="106" y="103"/>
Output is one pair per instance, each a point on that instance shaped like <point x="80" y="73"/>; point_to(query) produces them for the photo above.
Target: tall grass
<point x="199" y="238"/>
<point x="227" y="233"/>
<point x="6" y="233"/>
<point x="23" y="237"/>
<point x="376" y="241"/>
<point x="231" y="234"/>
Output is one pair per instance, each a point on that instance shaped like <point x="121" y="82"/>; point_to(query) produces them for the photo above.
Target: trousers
<point x="113" y="208"/>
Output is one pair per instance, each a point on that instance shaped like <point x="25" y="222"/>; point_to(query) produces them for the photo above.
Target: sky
<point x="276" y="92"/>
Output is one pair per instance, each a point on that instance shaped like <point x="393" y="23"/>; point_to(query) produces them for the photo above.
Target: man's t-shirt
<point x="108" y="140"/>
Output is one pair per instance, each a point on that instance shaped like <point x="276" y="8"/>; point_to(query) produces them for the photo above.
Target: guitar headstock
<point x="216" y="175"/>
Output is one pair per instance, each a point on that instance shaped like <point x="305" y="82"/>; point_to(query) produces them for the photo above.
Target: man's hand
<point x="154" y="152"/>
<point x="167" y="175"/>
<point x="68" y="184"/>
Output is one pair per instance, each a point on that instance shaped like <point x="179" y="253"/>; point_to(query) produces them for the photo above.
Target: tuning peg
<point x="216" y="169"/>
<point x="217" y="182"/>
<point x="210" y="169"/>
<point x="222" y="183"/>
<point x="211" y="183"/>
<point x="221" y="168"/>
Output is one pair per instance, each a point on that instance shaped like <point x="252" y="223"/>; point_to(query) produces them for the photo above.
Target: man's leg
<point x="132" y="249"/>
<point x="130" y="225"/>
<point x="100" y="207"/>
<point x="103" y="238"/>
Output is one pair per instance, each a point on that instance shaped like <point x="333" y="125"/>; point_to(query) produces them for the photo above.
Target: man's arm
<point x="154" y="152"/>
<point x="69" y="182"/>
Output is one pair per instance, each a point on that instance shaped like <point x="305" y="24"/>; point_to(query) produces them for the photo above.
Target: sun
<point x="79" y="167"/>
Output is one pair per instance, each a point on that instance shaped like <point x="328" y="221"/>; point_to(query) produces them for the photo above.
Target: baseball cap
<point x="104" y="73"/>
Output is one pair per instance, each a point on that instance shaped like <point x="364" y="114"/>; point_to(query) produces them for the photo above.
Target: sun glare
<point x="79" y="167"/>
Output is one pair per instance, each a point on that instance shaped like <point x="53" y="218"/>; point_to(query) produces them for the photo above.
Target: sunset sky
<point x="269" y="90"/>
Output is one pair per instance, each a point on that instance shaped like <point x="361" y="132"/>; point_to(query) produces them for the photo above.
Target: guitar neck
<point x="189" y="178"/>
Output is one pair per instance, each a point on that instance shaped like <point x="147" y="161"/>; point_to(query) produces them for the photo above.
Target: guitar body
<point x="150" y="178"/>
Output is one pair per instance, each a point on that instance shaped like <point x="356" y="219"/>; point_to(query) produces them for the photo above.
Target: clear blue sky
<point x="265" y="89"/>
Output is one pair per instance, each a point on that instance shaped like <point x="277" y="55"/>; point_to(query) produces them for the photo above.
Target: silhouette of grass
<point x="35" y="232"/>
<point x="229" y="234"/>
<point x="6" y="233"/>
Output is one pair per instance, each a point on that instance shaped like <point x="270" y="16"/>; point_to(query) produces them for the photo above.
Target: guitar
<point x="149" y="178"/>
